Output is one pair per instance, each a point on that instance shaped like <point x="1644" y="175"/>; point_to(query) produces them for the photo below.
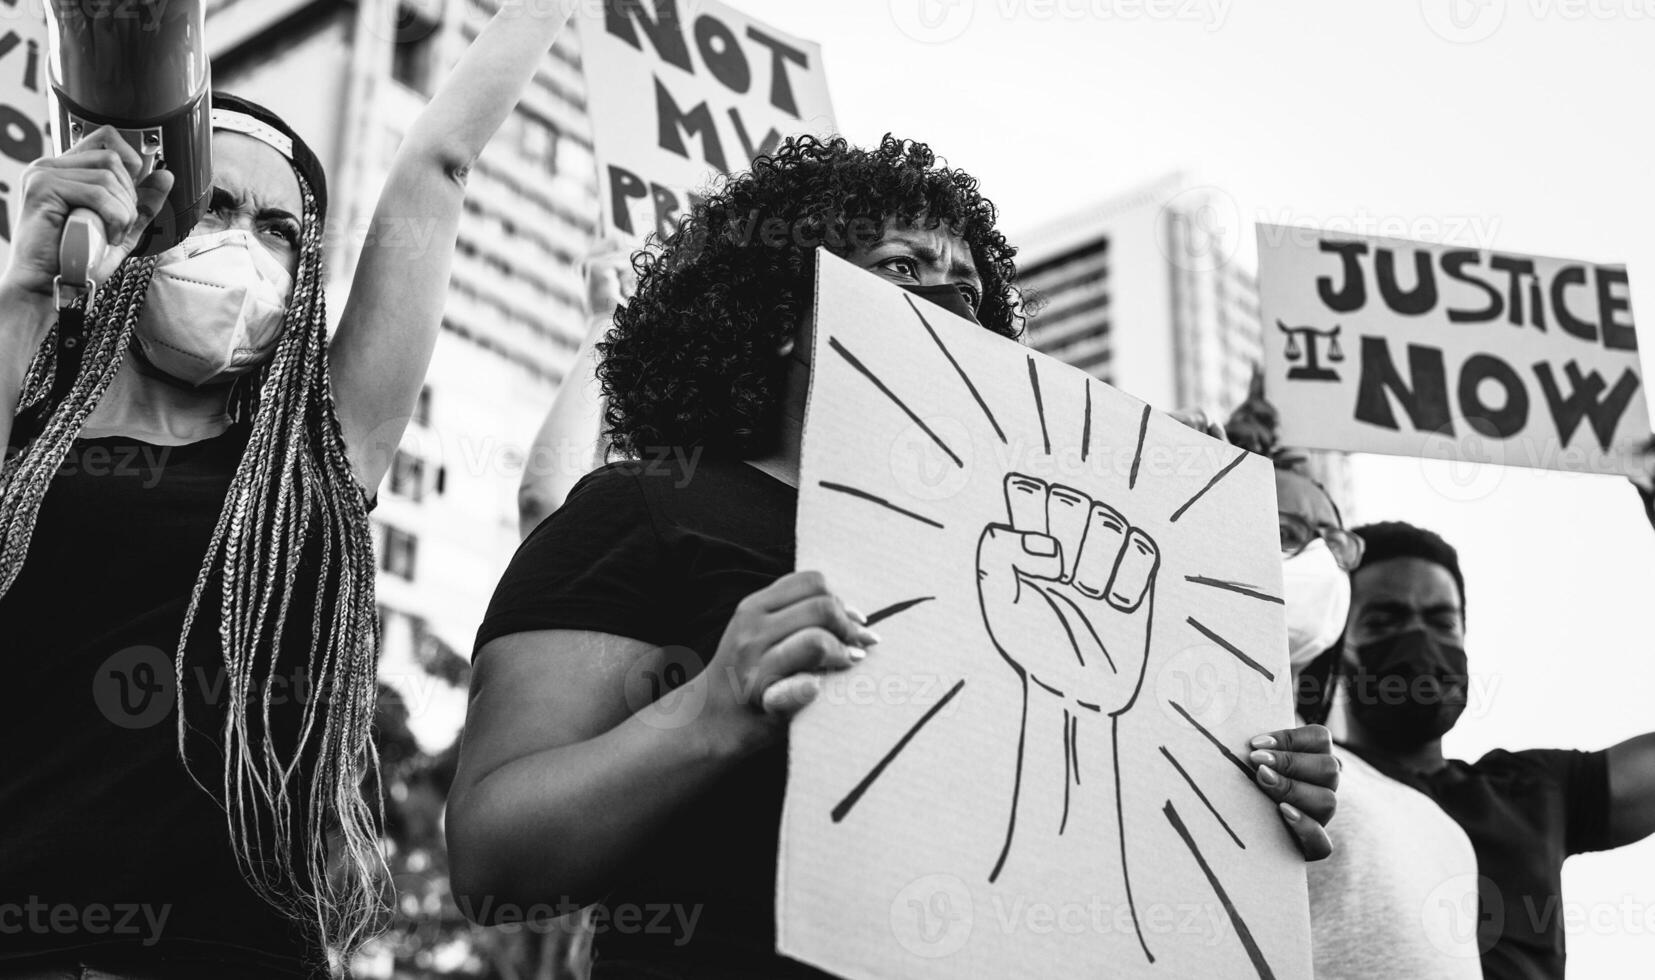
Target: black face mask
<point x="1409" y="688"/>
<point x="948" y="296"/>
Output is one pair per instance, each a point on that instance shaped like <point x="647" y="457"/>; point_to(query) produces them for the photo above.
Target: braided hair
<point x="293" y="501"/>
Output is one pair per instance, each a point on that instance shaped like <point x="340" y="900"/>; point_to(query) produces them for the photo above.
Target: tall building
<point x="351" y="77"/>
<point x="1144" y="293"/>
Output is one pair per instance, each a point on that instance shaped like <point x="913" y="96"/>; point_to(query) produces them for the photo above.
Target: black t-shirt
<point x="661" y="551"/>
<point x="1524" y="813"/>
<point x="108" y="849"/>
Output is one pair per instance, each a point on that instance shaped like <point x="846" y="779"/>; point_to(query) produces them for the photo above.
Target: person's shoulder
<point x="681" y="478"/>
<point x="1526" y="763"/>
<point x="616" y="477"/>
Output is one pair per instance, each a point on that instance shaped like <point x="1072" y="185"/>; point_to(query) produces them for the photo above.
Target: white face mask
<point x="215" y="307"/>
<point x="1318" y="599"/>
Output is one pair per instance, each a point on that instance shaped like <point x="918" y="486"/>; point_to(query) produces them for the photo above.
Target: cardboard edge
<point x="816" y="345"/>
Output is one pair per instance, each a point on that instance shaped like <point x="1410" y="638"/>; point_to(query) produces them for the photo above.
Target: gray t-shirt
<point x="1398" y="898"/>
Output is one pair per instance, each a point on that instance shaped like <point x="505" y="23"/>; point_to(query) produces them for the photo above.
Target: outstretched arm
<point x="389" y="326"/>
<point x="1632" y="790"/>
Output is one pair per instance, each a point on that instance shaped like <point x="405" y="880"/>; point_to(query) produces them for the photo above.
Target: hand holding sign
<point x="1067" y="593"/>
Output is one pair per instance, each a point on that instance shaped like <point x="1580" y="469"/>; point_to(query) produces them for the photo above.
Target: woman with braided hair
<point x="187" y="607"/>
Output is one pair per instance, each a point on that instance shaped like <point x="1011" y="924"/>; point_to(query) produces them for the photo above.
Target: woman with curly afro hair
<point x="640" y="660"/>
<point x="634" y="676"/>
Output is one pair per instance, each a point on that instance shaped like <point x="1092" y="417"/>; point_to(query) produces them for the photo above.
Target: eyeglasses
<point x="1297" y="534"/>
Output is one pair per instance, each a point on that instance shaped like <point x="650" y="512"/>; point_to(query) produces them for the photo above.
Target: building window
<point x="414" y="52"/>
<point x="408" y="476"/>
<point x="398" y="554"/>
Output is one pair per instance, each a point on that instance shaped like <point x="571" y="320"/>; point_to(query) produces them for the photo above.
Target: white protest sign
<point x="1389" y="346"/>
<point x="23" y="111"/>
<point x="680" y="91"/>
<point x="1039" y="771"/>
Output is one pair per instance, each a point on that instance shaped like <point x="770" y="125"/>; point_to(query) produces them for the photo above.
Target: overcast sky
<point x="1512" y="124"/>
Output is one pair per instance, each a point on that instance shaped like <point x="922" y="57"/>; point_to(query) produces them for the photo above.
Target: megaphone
<point x="142" y="68"/>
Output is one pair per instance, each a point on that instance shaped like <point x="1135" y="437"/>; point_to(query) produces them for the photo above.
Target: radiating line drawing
<point x="1138" y="454"/>
<point x="881" y="501"/>
<point x="1231" y="648"/>
<point x="1203" y="797"/>
<point x="885" y="389"/>
<point x="1217" y="744"/>
<point x="975" y="394"/>
<point x="1242" y="932"/>
<point x="1240" y="588"/>
<point x="846" y="804"/>
<point x="1221" y="474"/>
<point x="896" y="607"/>
<point x="1086" y="433"/>
<point x="1040" y="406"/>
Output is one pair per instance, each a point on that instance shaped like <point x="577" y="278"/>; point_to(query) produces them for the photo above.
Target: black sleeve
<point x="1582" y="779"/>
<point x="596" y="564"/>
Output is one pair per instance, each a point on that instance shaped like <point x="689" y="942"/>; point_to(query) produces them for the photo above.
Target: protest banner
<point x="1038" y="771"/>
<point x="680" y="91"/>
<point x="23" y="111"/>
<point x="1390" y="346"/>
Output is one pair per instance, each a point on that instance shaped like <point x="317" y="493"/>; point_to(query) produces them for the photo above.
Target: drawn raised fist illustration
<point x="1068" y="591"/>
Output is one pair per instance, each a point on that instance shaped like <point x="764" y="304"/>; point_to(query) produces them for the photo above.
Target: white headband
<point x="241" y="122"/>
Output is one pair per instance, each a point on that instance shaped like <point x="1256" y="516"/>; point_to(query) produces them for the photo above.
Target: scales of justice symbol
<point x="1310" y="353"/>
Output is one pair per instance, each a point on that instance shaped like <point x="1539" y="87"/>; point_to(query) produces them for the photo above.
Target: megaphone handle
<point x="80" y="251"/>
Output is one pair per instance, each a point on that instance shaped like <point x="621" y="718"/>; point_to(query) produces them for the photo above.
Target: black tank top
<point x="109" y="851"/>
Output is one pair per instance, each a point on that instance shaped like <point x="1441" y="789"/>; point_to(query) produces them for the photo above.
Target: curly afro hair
<point x="691" y="360"/>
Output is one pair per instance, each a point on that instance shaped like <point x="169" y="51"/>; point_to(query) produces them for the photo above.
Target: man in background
<point x="1525" y="811"/>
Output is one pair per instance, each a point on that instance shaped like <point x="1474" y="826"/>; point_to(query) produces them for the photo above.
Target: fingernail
<point x="870" y="638"/>
<point x="1262" y="759"/>
<point x="1268" y="776"/>
<point x="1036" y="543"/>
<point x="1290" y="812"/>
<point x="856" y="616"/>
<point x="1263" y="742"/>
<point x="856" y="653"/>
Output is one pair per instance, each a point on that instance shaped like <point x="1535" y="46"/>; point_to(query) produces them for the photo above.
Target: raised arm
<point x="390" y="322"/>
<point x="570" y="442"/>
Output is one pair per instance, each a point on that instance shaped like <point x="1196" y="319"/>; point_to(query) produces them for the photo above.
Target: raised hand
<point x="1067" y="589"/>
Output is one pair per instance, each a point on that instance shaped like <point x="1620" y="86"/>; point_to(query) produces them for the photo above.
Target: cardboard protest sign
<point x="680" y="91"/>
<point x="23" y="112"/>
<point x="1040" y="769"/>
<point x="1390" y="346"/>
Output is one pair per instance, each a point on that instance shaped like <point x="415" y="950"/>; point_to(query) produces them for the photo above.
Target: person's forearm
<point x="25" y="319"/>
<point x="558" y="827"/>
<point x="567" y="447"/>
<point x="486" y="83"/>
<point x="388" y="332"/>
